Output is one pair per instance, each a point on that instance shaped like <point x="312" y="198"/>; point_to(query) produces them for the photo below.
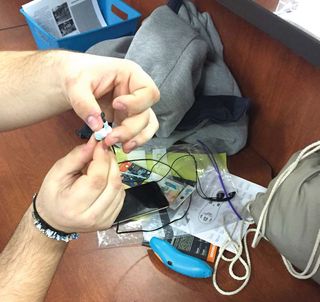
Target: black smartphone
<point x="141" y="200"/>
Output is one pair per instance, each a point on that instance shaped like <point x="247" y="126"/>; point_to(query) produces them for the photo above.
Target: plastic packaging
<point x="109" y="238"/>
<point x="185" y="165"/>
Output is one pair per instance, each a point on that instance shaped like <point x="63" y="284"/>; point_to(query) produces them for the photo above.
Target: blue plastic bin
<point x="116" y="28"/>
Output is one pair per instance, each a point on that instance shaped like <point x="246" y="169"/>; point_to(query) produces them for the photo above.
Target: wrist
<point x="48" y="230"/>
<point x="28" y="262"/>
<point x="36" y="237"/>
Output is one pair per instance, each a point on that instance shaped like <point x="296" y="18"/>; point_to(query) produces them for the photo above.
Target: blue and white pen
<point x="179" y="262"/>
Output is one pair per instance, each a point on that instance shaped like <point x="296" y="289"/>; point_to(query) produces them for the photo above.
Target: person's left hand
<point x="127" y="91"/>
<point x="83" y="191"/>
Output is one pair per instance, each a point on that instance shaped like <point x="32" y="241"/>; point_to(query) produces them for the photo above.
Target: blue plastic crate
<point x="117" y="27"/>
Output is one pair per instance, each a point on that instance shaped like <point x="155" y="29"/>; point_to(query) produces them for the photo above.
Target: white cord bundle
<point x="238" y="246"/>
<point x="261" y="227"/>
<point x="260" y="233"/>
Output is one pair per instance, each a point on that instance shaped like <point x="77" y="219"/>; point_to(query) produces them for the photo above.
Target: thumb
<point x="85" y="104"/>
<point x="77" y="159"/>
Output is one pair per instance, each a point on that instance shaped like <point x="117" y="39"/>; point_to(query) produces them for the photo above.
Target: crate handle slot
<point x="118" y="12"/>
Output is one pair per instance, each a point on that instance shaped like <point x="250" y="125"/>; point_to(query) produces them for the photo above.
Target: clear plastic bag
<point x="286" y="6"/>
<point x="190" y="167"/>
<point x="109" y="238"/>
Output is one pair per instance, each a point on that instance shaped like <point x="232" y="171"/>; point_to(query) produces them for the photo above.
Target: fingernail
<point x="114" y="140"/>
<point x="120" y="106"/>
<point x="105" y="146"/>
<point x="132" y="145"/>
<point x="93" y="122"/>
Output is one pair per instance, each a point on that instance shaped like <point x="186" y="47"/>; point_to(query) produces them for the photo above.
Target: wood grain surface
<point x="284" y="91"/>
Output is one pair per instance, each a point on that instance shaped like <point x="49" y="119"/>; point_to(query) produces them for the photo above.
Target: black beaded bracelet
<point x="47" y="229"/>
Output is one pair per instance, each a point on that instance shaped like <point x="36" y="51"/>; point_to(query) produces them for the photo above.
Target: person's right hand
<point x="71" y="201"/>
<point x="126" y="94"/>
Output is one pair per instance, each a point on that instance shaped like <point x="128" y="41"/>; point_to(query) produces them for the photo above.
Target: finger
<point x="75" y="160"/>
<point x="138" y="101"/>
<point x="91" y="185"/>
<point x="91" y="221"/>
<point x="114" y="186"/>
<point x="143" y="92"/>
<point x="84" y="103"/>
<point x="129" y="128"/>
<point x="111" y="215"/>
<point x="145" y="135"/>
<point x="105" y="103"/>
<point x="91" y="143"/>
<point x="104" y="220"/>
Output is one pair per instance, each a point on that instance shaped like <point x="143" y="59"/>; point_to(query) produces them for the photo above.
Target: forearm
<point x="31" y="87"/>
<point x="28" y="263"/>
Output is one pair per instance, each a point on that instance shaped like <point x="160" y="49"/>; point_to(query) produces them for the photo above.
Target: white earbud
<point x="102" y="133"/>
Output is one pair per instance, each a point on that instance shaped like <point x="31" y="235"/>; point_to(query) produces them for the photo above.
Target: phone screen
<point x="140" y="200"/>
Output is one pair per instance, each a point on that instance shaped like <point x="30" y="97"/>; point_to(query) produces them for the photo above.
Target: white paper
<point x="213" y="231"/>
<point x="303" y="14"/>
<point x="64" y="18"/>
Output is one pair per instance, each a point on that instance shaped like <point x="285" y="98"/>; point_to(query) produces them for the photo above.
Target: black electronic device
<point x="141" y="200"/>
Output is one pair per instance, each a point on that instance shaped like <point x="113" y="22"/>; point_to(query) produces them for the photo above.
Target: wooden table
<point x="87" y="273"/>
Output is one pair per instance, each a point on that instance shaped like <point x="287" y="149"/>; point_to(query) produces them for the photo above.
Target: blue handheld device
<point x="180" y="262"/>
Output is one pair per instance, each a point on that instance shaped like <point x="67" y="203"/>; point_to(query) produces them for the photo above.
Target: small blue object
<point x="180" y="262"/>
<point x="102" y="133"/>
<point x="116" y="28"/>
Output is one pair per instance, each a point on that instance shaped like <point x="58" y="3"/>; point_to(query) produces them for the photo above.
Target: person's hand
<point x="71" y="201"/>
<point x="126" y="91"/>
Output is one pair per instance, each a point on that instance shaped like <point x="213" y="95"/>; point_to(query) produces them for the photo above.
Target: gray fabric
<point x="218" y="137"/>
<point x="182" y="53"/>
<point x="294" y="214"/>
<point x="174" y="55"/>
<point x="230" y="137"/>
<point x="216" y="77"/>
<point x="112" y="48"/>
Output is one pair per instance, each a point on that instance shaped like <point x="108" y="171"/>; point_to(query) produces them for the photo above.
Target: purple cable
<point x="215" y="165"/>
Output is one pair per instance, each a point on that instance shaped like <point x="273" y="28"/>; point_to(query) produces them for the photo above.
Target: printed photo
<point x="61" y="13"/>
<point x="67" y="27"/>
